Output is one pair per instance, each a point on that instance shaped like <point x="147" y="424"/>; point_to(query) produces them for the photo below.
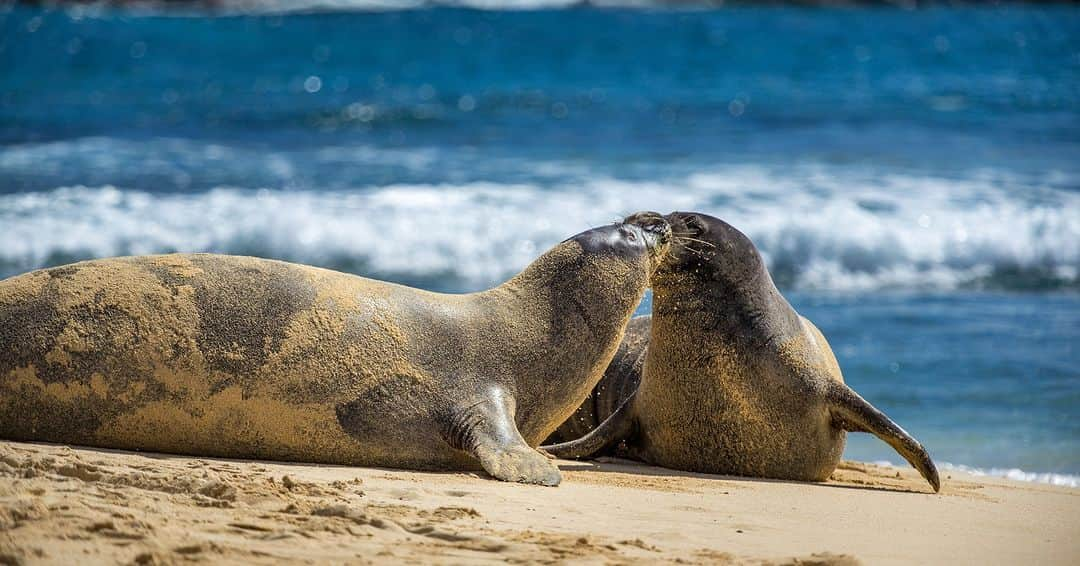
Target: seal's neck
<point x="573" y="306"/>
<point x="744" y="308"/>
<point x="562" y="262"/>
<point x="569" y="286"/>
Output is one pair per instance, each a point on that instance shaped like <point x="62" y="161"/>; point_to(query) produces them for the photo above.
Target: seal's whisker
<point x="689" y="239"/>
<point x="700" y="253"/>
<point x="684" y="233"/>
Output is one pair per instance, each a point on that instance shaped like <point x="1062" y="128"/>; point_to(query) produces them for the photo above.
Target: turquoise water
<point x="912" y="177"/>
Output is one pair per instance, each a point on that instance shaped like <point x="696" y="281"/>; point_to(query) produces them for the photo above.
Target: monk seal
<point x="252" y="358"/>
<point x="725" y="377"/>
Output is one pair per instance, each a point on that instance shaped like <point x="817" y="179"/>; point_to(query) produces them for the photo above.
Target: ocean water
<point x="912" y="177"/>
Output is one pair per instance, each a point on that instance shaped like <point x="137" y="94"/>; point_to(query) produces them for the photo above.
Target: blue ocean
<point x="912" y="177"/>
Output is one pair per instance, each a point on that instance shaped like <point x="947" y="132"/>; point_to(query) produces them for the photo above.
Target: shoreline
<point x="61" y="504"/>
<point x="1014" y="474"/>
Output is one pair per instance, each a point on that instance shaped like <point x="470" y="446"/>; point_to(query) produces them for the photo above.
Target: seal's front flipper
<point x="618" y="427"/>
<point x="853" y="413"/>
<point x="486" y="430"/>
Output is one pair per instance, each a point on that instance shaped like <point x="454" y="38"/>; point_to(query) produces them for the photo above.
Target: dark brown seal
<point x="252" y="358"/>
<point x="725" y="377"/>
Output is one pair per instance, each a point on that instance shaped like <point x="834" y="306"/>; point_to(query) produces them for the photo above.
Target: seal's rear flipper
<point x="853" y="413"/>
<point x="614" y="429"/>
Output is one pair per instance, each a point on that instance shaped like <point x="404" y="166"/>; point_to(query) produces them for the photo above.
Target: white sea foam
<point x="818" y="227"/>
<point x="1016" y="474"/>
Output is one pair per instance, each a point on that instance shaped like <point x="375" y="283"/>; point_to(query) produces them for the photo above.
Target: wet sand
<point x="66" y="505"/>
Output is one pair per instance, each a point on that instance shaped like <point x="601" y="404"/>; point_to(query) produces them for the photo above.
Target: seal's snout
<point x="686" y="223"/>
<point x="655" y="228"/>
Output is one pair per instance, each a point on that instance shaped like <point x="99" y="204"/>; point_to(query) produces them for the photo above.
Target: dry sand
<point x="71" y="506"/>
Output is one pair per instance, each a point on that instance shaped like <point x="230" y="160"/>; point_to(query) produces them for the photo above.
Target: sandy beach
<point x="66" y="505"/>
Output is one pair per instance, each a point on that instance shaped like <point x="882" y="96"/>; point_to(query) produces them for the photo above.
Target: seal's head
<point x="644" y="235"/>
<point x="605" y="267"/>
<point x="708" y="255"/>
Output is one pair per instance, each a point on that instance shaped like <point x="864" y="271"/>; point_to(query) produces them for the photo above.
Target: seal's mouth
<point x="688" y="232"/>
<point x="685" y="224"/>
<point x="654" y="228"/>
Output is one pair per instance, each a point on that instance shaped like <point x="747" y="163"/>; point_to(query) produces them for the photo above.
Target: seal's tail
<point x="853" y="413"/>
<point x="614" y="429"/>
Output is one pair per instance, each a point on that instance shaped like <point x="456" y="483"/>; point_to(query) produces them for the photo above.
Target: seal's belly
<point x="212" y="355"/>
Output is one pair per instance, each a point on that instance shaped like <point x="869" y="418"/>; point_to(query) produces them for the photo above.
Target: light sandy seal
<point x="725" y="377"/>
<point x="252" y="358"/>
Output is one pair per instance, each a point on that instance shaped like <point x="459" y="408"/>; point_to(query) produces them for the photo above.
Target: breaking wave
<point x="819" y="227"/>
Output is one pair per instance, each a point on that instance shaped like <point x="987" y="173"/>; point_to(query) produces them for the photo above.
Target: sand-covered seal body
<point x="725" y="376"/>
<point x="252" y="358"/>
